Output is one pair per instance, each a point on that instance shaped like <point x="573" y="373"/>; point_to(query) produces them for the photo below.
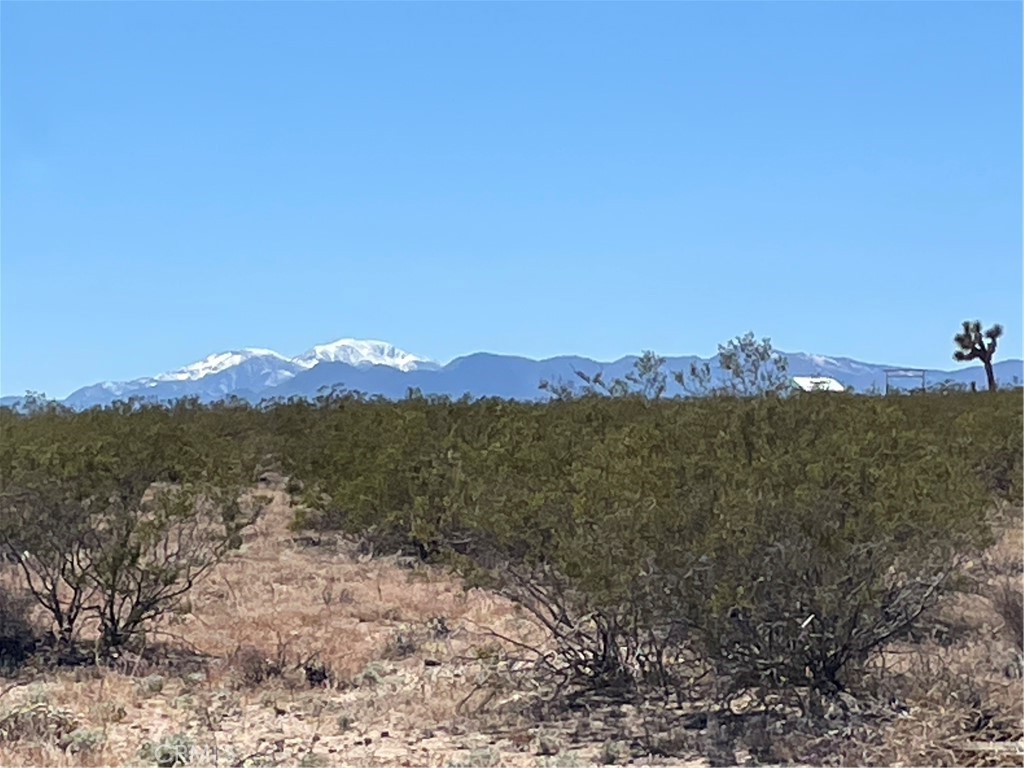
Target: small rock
<point x="742" y="704"/>
<point x="271" y="479"/>
<point x="615" y="753"/>
<point x="153" y="684"/>
<point x="547" y="745"/>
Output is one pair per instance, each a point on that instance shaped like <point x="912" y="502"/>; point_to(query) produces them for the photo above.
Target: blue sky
<point x="538" y="179"/>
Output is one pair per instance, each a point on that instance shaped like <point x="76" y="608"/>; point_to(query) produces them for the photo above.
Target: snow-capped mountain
<point x="216" y="363"/>
<point x="246" y="372"/>
<point x="359" y="352"/>
<point x="380" y="368"/>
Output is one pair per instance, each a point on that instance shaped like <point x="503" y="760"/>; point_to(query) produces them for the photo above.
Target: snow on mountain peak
<point x="215" y="363"/>
<point x="351" y="351"/>
<point x="822" y="360"/>
<point x="843" y="365"/>
<point x="360" y="352"/>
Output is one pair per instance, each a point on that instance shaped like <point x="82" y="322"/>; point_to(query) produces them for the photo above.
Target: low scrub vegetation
<point x="112" y="515"/>
<point x="753" y="545"/>
<point x="773" y="542"/>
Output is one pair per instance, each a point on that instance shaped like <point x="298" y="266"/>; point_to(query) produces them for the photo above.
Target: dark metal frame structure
<point x="903" y="373"/>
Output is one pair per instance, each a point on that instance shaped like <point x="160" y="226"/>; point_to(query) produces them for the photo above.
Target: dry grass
<point x="314" y="656"/>
<point x="298" y="604"/>
<point x="962" y="692"/>
<point x="311" y="651"/>
<point x="1008" y="601"/>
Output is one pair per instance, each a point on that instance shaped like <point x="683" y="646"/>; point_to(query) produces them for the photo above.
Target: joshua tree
<point x="975" y="345"/>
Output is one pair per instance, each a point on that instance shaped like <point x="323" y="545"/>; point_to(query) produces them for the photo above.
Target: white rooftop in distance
<point x="818" y="384"/>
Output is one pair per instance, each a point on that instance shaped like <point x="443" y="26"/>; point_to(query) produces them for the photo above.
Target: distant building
<point x="817" y="384"/>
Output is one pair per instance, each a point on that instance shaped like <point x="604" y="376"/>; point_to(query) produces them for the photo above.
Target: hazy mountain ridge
<point x="379" y="368"/>
<point x="519" y="378"/>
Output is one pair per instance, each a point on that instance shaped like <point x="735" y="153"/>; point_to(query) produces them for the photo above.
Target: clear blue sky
<point x="184" y="178"/>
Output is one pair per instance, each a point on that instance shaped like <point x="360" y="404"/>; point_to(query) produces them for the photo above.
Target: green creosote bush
<point x="115" y="513"/>
<point x="775" y="540"/>
<point x="840" y="524"/>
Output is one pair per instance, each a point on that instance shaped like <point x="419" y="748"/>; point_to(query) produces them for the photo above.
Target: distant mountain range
<point x="379" y="368"/>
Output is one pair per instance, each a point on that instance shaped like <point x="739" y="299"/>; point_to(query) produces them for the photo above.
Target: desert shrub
<point x="148" y="557"/>
<point x="744" y="367"/>
<point x="38" y="722"/>
<point x="318" y="673"/>
<point x="564" y="509"/>
<point x="781" y="539"/>
<point x="774" y="540"/>
<point x="176" y="749"/>
<point x="253" y="667"/>
<point x="400" y="645"/>
<point x="838" y="525"/>
<point x="380" y="473"/>
<point x="17" y="633"/>
<point x="993" y="424"/>
<point x="115" y="513"/>
<point x="1008" y="600"/>
<point x="83" y="741"/>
